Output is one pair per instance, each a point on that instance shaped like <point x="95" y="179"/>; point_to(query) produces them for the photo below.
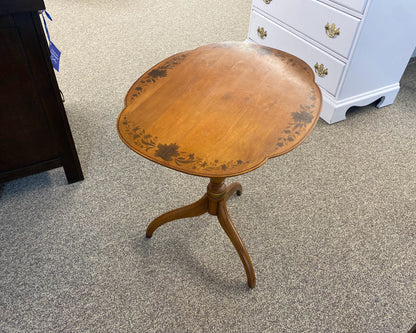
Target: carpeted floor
<point x="330" y="227"/>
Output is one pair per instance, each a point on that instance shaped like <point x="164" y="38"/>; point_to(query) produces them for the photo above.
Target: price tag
<point x="55" y="56"/>
<point x="55" y="53"/>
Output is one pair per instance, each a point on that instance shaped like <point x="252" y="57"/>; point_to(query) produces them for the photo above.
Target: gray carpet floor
<point x="330" y="227"/>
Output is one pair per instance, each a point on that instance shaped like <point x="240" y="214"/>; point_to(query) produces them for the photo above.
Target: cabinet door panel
<point x="25" y="135"/>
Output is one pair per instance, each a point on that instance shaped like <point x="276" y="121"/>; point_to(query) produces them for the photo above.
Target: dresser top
<point x="18" y="6"/>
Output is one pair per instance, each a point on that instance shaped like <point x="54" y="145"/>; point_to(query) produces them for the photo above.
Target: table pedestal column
<point x="214" y="203"/>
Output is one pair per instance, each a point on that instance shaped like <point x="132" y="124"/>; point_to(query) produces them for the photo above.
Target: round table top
<point x="220" y="110"/>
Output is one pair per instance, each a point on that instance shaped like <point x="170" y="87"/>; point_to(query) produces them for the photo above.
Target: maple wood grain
<point x="220" y="110"/>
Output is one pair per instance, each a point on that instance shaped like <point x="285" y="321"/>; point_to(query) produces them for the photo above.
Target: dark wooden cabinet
<point x="34" y="132"/>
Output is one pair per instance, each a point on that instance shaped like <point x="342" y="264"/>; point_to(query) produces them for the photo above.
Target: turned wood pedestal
<point x="214" y="203"/>
<point x="219" y="111"/>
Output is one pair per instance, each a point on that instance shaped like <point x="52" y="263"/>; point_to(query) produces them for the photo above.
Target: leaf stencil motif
<point x="157" y="73"/>
<point x="171" y="152"/>
<point x="166" y="152"/>
<point x="300" y="121"/>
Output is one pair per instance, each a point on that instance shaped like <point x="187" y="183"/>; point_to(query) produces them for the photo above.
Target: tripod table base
<point x="214" y="203"/>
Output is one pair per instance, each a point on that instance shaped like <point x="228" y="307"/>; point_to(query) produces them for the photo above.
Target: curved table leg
<point x="232" y="233"/>
<point x="197" y="208"/>
<point x="233" y="188"/>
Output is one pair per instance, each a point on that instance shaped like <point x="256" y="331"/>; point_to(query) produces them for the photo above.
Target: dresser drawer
<point x="316" y="21"/>
<point x="357" y="5"/>
<point x="280" y="38"/>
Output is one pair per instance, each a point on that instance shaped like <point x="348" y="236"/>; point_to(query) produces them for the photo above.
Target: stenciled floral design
<point x="300" y="121"/>
<point x="157" y="73"/>
<point x="171" y="152"/>
<point x="166" y="152"/>
<point x="302" y="117"/>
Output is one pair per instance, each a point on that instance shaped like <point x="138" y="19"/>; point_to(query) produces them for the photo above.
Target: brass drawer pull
<point x="267" y="1"/>
<point x="261" y="32"/>
<point x="331" y="31"/>
<point x="321" y="70"/>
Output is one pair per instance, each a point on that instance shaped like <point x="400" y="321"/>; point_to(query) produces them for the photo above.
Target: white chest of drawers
<point x="358" y="49"/>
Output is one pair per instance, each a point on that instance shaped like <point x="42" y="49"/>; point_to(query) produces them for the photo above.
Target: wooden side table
<point x="219" y="111"/>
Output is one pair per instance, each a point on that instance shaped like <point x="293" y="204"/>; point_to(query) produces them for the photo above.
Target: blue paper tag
<point x="55" y="53"/>
<point x="47" y="15"/>
<point x="55" y="56"/>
